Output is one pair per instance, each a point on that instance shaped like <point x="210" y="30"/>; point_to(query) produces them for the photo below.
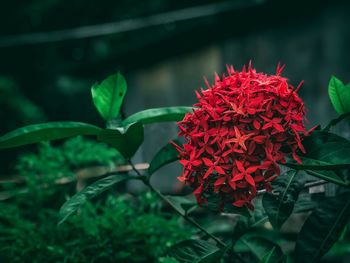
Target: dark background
<point x="164" y="48"/>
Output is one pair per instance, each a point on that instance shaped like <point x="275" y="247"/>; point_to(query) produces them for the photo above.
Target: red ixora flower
<point x="240" y="130"/>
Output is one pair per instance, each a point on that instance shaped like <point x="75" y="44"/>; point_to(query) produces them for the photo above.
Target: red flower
<point x="241" y="129"/>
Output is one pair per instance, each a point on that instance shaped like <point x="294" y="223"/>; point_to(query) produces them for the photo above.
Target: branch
<point x="188" y="219"/>
<point x="306" y="186"/>
<point x="336" y="121"/>
<point x="81" y="174"/>
<point x="126" y="25"/>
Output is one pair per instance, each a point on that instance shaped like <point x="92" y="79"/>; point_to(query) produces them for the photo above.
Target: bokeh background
<point x="52" y="51"/>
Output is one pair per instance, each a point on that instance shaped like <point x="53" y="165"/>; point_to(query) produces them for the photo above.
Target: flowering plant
<point x="246" y="152"/>
<point x="243" y="127"/>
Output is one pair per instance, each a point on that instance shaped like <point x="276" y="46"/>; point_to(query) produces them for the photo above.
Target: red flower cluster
<point x="241" y="129"/>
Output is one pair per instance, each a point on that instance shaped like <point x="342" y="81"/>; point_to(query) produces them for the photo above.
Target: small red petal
<point x="256" y="124"/>
<point x="250" y="180"/>
<point x="259" y="138"/>
<point x="219" y="170"/>
<point x="239" y="203"/>
<point x="207" y="162"/>
<point x="278" y="127"/>
<point x="237" y="177"/>
<point x="209" y="171"/>
<point x="220" y="181"/>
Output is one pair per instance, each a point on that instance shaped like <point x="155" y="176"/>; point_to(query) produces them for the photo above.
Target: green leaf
<point x="324" y="151"/>
<point x="194" y="251"/>
<point x="261" y="247"/>
<point x="245" y="224"/>
<point x="158" y="115"/>
<point x="268" y="257"/>
<point x="165" y="155"/>
<point x="339" y="95"/>
<point x="279" y="206"/>
<point x="125" y="139"/>
<point x="322" y="228"/>
<point x="108" y="96"/>
<point x="46" y="132"/>
<point x="304" y="204"/>
<point x="167" y="260"/>
<point x="329" y="176"/>
<point x="80" y="198"/>
<point x="181" y="203"/>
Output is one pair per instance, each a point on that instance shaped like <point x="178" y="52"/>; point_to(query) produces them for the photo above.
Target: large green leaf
<point x="279" y="206"/>
<point x="339" y="95"/>
<point x="325" y="152"/>
<point x="46" y="132"/>
<point x="322" y="228"/>
<point x="108" y="96"/>
<point x="246" y="223"/>
<point x="195" y="251"/>
<point x="125" y="139"/>
<point x="98" y="187"/>
<point x="304" y="204"/>
<point x="165" y="155"/>
<point x="158" y="115"/>
<point x="261" y="248"/>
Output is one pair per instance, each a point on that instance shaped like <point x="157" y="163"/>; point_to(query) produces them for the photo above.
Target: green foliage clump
<point x="120" y="229"/>
<point x="42" y="170"/>
<point x="51" y="163"/>
<point x="113" y="229"/>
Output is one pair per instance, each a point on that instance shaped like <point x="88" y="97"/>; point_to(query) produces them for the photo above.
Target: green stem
<point x="164" y="198"/>
<point x="336" y="121"/>
<point x="326" y="178"/>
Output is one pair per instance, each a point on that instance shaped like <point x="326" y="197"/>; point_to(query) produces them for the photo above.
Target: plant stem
<point x="188" y="219"/>
<point x="328" y="179"/>
<point x="307" y="185"/>
<point x="164" y="198"/>
<point x="336" y="121"/>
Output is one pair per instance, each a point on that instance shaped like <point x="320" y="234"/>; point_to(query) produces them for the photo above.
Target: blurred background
<point x="52" y="51"/>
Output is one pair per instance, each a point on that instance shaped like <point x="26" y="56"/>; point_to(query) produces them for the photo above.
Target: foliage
<point x="339" y="95"/>
<point x="95" y="189"/>
<point x="108" y="96"/>
<point x="127" y="229"/>
<point x="113" y="229"/>
<point x="195" y="251"/>
<point x="126" y="139"/>
<point x="280" y="204"/>
<point x="322" y="228"/>
<point x="43" y="170"/>
<point x="120" y="229"/>
<point x="53" y="162"/>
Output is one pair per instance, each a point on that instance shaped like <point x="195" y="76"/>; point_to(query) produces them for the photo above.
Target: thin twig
<point x="336" y="121"/>
<point x="307" y="185"/>
<point x="81" y="174"/>
<point x="188" y="219"/>
<point x="126" y="25"/>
